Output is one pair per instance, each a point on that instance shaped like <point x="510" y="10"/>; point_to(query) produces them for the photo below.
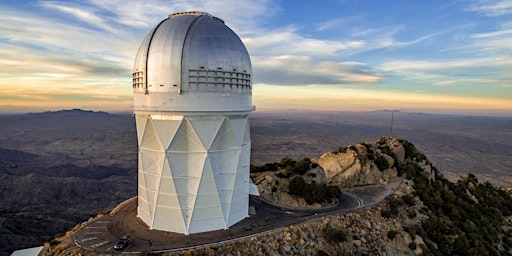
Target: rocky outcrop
<point x="359" y="165"/>
<point x="275" y="190"/>
<point x="363" y="164"/>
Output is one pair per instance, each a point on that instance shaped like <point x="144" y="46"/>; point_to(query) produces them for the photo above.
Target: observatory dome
<point x="192" y="61"/>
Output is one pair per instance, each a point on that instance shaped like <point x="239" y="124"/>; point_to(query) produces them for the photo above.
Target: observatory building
<point x="192" y="95"/>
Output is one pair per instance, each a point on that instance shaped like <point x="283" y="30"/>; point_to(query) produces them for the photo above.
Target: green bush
<point x="264" y="168"/>
<point x="408" y="199"/>
<point x="410" y="150"/>
<point x="297" y="186"/>
<point x="286" y="162"/>
<point x="382" y="163"/>
<point x="333" y="235"/>
<point x="392" y="234"/>
<point x="312" y="193"/>
<point x="302" y="166"/>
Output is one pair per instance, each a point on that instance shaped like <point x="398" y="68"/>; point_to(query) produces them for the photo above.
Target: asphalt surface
<point x="102" y="234"/>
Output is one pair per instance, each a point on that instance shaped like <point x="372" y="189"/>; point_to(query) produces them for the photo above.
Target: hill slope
<point x="427" y="215"/>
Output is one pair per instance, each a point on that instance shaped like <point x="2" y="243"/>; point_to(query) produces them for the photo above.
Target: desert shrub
<point x="386" y="214"/>
<point x="333" y="235"/>
<point x="332" y="191"/>
<point x="286" y="162"/>
<point x="371" y="154"/>
<point x="382" y="163"/>
<point x="312" y="193"/>
<point x="301" y="166"/>
<point x="266" y="167"/>
<point x="411" y="213"/>
<point x="392" y="234"/>
<point x="410" y="150"/>
<point x="283" y="174"/>
<point x="408" y="199"/>
<point x="342" y="149"/>
<point x="322" y="253"/>
<point x="394" y="204"/>
<point x="297" y="186"/>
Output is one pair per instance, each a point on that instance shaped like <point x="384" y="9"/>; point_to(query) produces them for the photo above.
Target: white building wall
<point x="193" y="170"/>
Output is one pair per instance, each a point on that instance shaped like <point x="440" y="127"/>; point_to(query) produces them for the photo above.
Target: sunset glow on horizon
<point x="349" y="55"/>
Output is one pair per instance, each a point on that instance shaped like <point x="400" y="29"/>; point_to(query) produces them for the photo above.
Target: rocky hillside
<point x="352" y="166"/>
<point x="427" y="215"/>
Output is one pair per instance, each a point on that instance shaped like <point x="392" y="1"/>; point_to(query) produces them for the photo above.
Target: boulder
<point x="398" y="149"/>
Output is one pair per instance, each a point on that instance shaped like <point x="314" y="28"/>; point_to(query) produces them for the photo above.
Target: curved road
<point x="101" y="234"/>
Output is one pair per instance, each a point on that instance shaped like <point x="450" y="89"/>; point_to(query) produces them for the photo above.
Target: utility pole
<point x="392" y="117"/>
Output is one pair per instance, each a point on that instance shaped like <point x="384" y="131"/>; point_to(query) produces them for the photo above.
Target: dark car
<point x="122" y="244"/>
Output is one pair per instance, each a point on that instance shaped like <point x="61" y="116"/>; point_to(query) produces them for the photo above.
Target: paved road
<point x="102" y="234"/>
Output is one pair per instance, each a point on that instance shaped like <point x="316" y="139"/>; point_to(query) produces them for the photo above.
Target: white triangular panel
<point x="238" y="125"/>
<point x="166" y="170"/>
<point x="140" y="177"/>
<point x="152" y="161"/>
<point x="168" y="218"/>
<point x="224" y="161"/>
<point x="207" y="205"/>
<point x="143" y="209"/>
<point x="150" y="137"/>
<point x="186" y="189"/>
<point x="187" y="216"/>
<point x="207" y="169"/>
<point x="207" y="195"/>
<point x="202" y="225"/>
<point x="166" y="129"/>
<point x="247" y="134"/>
<point x="208" y="187"/>
<point x="225" y="138"/>
<point x="168" y="200"/>
<point x="206" y="129"/>
<point x="152" y="181"/>
<point x="186" y="139"/>
<point x="140" y="122"/>
<point x="151" y="197"/>
<point x="245" y="157"/>
<point x="186" y="164"/>
<point x="239" y="212"/>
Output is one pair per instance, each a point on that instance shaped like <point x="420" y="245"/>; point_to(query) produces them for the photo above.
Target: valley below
<point x="60" y="168"/>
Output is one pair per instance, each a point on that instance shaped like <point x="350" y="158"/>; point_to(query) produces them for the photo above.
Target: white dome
<point x="192" y="61"/>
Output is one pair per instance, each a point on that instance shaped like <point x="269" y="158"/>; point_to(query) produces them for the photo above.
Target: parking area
<point x="102" y="234"/>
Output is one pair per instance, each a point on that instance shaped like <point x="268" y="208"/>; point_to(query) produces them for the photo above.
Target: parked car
<point x="122" y="244"/>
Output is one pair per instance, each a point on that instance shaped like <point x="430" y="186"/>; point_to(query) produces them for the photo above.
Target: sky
<point x="336" y="55"/>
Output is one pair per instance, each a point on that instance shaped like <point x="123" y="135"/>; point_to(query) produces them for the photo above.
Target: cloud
<point x="404" y="65"/>
<point x="492" y="8"/>
<point x="446" y="82"/>
<point x="302" y="70"/>
<point x="286" y="41"/>
<point x="334" y="24"/>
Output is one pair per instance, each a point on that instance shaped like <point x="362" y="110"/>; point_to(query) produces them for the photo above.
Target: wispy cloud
<point x="492" y="7"/>
<point x="297" y="70"/>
